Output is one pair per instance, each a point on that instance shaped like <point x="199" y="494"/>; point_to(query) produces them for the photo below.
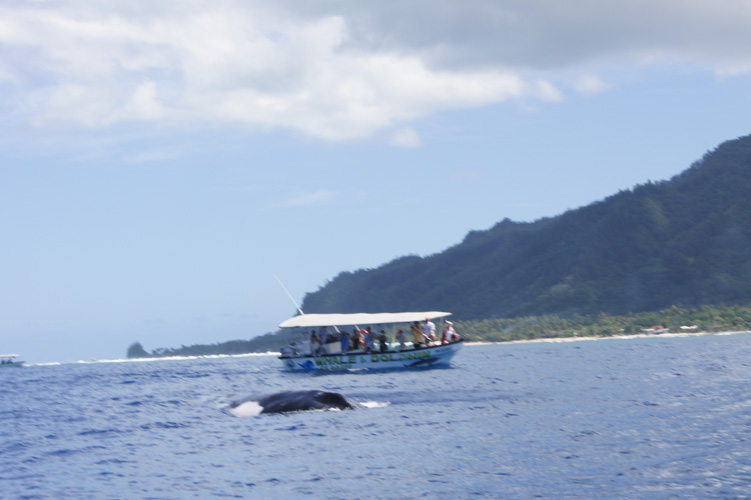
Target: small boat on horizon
<point x="311" y="356"/>
<point x="10" y="361"/>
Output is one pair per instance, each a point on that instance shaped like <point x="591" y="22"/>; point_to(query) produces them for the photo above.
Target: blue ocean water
<point x="652" y="418"/>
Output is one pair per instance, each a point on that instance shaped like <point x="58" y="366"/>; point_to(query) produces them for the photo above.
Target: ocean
<point x="639" y="418"/>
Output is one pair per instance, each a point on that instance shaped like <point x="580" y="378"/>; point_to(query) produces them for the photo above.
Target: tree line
<point x="676" y="318"/>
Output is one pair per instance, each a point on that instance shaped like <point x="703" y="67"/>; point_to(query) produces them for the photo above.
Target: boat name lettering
<point x="399" y="356"/>
<point x="347" y="361"/>
<point x="338" y="360"/>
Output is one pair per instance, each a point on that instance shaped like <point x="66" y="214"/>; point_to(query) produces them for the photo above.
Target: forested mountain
<point x="685" y="241"/>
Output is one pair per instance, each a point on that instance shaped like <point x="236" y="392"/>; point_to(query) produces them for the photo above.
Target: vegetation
<point x="701" y="319"/>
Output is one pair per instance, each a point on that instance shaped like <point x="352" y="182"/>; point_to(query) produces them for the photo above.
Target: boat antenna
<point x="289" y="295"/>
<point x="294" y="302"/>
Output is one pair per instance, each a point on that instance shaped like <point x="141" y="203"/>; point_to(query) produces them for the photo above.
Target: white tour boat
<point x="302" y="356"/>
<point x="10" y="360"/>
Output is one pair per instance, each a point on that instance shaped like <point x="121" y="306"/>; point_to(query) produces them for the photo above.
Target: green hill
<point x="685" y="241"/>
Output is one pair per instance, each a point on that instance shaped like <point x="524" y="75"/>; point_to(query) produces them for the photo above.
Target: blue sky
<point x="161" y="161"/>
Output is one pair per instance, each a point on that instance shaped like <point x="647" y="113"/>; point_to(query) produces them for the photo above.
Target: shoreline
<point x="470" y="343"/>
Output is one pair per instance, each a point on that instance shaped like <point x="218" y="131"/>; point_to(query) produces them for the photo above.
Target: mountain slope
<point x="684" y="241"/>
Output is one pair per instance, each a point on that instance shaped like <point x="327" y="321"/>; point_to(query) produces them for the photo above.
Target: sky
<point x="162" y="161"/>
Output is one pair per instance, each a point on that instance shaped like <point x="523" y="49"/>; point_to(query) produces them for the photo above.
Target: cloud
<point x="406" y="138"/>
<point x="335" y="70"/>
<point x="222" y="64"/>
<point x="590" y="84"/>
<point x="549" y="35"/>
<point x="546" y="91"/>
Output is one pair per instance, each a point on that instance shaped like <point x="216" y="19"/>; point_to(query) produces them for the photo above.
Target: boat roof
<point x="309" y="320"/>
<point x="10" y="355"/>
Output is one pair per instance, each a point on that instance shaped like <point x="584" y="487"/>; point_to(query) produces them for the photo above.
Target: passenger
<point x="370" y="338"/>
<point x="344" y="339"/>
<point x="416" y="334"/>
<point x="401" y="338"/>
<point x="315" y="343"/>
<point x="383" y="340"/>
<point x="447" y="336"/>
<point x="428" y="332"/>
<point x="323" y="333"/>
<point x="356" y="339"/>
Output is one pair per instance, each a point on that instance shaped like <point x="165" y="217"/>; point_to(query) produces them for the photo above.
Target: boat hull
<point x="412" y="358"/>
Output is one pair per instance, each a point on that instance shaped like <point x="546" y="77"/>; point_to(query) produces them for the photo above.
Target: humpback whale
<point x="289" y="401"/>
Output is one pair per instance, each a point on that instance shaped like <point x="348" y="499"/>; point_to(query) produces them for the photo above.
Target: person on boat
<point x="401" y="338"/>
<point x="383" y="340"/>
<point x="428" y="332"/>
<point x="344" y="339"/>
<point x="356" y="339"/>
<point x="447" y="336"/>
<point x="323" y="333"/>
<point x="370" y="338"/>
<point x="416" y="334"/>
<point x="315" y="343"/>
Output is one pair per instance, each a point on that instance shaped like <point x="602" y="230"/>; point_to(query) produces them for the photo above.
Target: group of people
<point x="367" y="340"/>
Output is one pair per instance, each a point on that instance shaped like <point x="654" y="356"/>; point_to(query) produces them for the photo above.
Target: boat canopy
<point x="6" y="356"/>
<point x="310" y="320"/>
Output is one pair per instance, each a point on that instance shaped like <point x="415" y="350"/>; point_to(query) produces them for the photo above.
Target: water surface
<point x="657" y="418"/>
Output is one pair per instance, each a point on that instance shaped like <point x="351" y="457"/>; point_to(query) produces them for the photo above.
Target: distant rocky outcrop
<point x="263" y="343"/>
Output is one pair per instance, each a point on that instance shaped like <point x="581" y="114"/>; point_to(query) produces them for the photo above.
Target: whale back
<point x="290" y="401"/>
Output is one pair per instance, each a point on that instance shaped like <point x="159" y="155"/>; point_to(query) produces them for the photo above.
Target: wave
<point x="559" y="340"/>
<point x="150" y="360"/>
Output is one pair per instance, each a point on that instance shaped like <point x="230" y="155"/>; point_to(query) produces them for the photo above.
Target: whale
<point x="290" y="401"/>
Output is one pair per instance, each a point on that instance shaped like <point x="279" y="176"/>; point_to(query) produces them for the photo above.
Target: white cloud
<point x="590" y="84"/>
<point x="551" y="35"/>
<point x="336" y="70"/>
<point x="143" y="105"/>
<point x="546" y="91"/>
<point x="406" y="138"/>
<point x="209" y="63"/>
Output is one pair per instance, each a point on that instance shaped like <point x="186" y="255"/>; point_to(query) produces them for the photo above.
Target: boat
<point x="10" y="361"/>
<point x="302" y="356"/>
